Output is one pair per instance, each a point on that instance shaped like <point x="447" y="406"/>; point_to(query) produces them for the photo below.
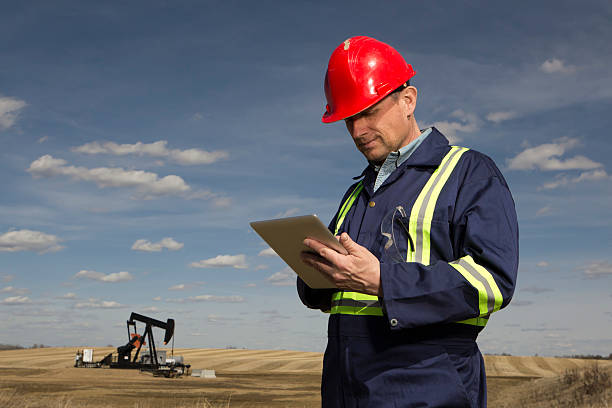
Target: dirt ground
<point x="245" y="378"/>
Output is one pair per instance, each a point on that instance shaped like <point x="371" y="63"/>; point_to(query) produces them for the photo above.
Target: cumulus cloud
<point x="286" y="277"/>
<point x="148" y="246"/>
<point x="155" y="149"/>
<point x="107" y="278"/>
<point x="554" y="65"/>
<point x="544" y="211"/>
<point x="208" y="298"/>
<point x="28" y="240"/>
<point x="497" y="117"/>
<point x="563" y="180"/>
<point x="15" y="300"/>
<point x="93" y="303"/>
<point x="180" y="286"/>
<point x="68" y="296"/>
<point x="267" y="252"/>
<point x="546" y="157"/>
<point x="596" y="270"/>
<point x="536" y="289"/>
<point x="147" y="184"/>
<point x="14" y="290"/>
<point x="468" y="123"/>
<point x="222" y="261"/>
<point x="289" y="213"/>
<point x="9" y="111"/>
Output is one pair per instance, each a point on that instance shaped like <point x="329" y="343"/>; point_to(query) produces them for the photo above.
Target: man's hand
<point x="359" y="271"/>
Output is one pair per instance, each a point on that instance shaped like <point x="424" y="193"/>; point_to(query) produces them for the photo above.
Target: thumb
<point x="346" y="241"/>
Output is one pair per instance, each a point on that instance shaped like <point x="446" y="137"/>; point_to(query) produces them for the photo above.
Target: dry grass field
<point x="45" y="378"/>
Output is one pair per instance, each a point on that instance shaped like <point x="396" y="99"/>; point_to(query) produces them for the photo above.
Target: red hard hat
<point x="361" y="72"/>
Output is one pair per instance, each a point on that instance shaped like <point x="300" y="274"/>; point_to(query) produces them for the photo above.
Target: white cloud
<point x="468" y="123"/>
<point x="147" y="184"/>
<point x="16" y="300"/>
<point x="148" y="246"/>
<point x="222" y="261"/>
<point x="267" y="252"/>
<point x="157" y="298"/>
<point x="14" y="290"/>
<point x="536" y="289"/>
<point x="9" y="111"/>
<point x="101" y="277"/>
<point x="208" y="298"/>
<point x="180" y="286"/>
<point x="98" y="304"/>
<point x="546" y="157"/>
<point x="563" y="180"/>
<point x="28" y="240"/>
<point x="43" y="139"/>
<point x="151" y="309"/>
<point x="497" y="117"/>
<point x="68" y="295"/>
<point x="155" y="149"/>
<point x="286" y="277"/>
<point x="598" y="269"/>
<point x="542" y="264"/>
<point x="544" y="211"/>
<point x="554" y="65"/>
<point x="289" y="213"/>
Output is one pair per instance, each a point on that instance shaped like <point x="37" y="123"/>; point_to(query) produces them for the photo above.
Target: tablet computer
<point x="286" y="235"/>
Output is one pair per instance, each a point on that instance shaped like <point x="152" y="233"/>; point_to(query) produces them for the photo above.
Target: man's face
<point x="382" y="128"/>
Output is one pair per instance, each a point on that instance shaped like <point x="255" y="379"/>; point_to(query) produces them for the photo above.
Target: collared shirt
<point x="395" y="159"/>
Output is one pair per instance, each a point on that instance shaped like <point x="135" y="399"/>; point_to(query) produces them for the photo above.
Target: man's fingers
<point x="323" y="250"/>
<point x="348" y="243"/>
<point x="319" y="263"/>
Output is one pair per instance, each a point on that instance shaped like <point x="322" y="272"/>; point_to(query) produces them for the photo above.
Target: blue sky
<point x="139" y="139"/>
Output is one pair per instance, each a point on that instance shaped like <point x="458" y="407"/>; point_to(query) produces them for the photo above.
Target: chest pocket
<point x="419" y="234"/>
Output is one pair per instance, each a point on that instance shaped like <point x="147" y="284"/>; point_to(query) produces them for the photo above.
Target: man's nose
<point x="357" y="126"/>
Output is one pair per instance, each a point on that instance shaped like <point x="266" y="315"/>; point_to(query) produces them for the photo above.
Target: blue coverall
<point x="416" y="354"/>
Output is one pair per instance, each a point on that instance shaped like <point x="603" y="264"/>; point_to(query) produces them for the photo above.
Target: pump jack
<point x="154" y="362"/>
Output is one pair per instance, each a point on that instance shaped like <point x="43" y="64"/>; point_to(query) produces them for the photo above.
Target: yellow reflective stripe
<point x="476" y="321"/>
<point x="353" y="296"/>
<point x="347" y="206"/>
<point x="418" y="252"/>
<point x="363" y="311"/>
<point x="498" y="298"/>
<point x="482" y="292"/>
<point x="489" y="295"/>
<point x="431" y="205"/>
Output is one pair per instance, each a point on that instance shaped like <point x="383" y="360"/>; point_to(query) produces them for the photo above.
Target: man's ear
<point x="409" y="97"/>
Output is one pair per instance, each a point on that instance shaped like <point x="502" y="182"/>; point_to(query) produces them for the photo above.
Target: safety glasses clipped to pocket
<point x="395" y="228"/>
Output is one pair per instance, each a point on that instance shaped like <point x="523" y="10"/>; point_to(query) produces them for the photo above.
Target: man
<point x="432" y="243"/>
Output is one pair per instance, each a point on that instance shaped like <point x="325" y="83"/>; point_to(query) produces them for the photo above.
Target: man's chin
<point x="374" y="157"/>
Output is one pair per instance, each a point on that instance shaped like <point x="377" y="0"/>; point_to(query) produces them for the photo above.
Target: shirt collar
<point x="429" y="152"/>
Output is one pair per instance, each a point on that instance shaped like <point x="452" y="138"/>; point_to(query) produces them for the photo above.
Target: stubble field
<point x="45" y="377"/>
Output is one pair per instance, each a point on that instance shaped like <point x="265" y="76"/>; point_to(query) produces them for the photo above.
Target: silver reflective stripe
<point x="355" y="303"/>
<point x="418" y="250"/>
<point x="478" y="276"/>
